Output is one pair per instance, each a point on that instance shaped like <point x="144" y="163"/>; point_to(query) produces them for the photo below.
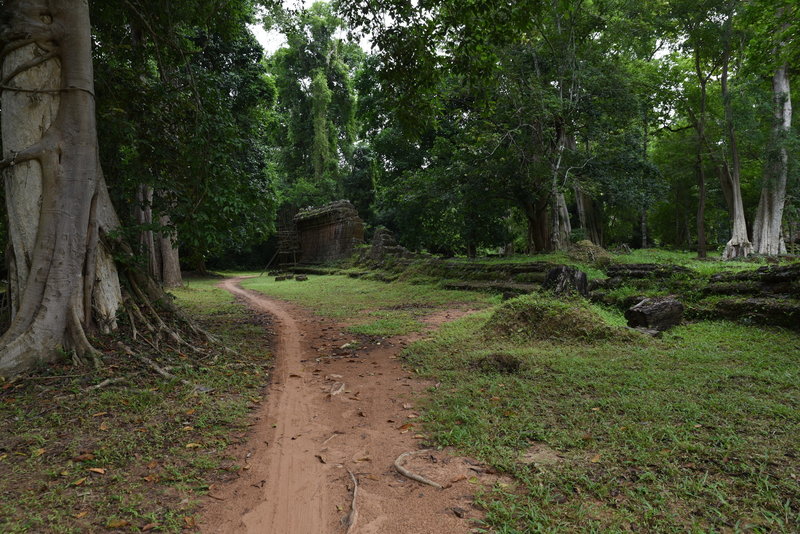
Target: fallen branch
<point x="352" y="517"/>
<point x="413" y="476"/>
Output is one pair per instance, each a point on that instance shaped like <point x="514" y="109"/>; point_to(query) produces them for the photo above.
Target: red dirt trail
<point x="304" y="440"/>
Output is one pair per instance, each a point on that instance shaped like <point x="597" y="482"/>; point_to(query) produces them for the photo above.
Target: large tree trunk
<point x="739" y="245"/>
<point x="767" y="236"/>
<point x="64" y="281"/>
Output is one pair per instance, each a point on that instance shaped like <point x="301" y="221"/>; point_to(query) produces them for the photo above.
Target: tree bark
<point x="163" y="261"/>
<point x="702" y="247"/>
<point x="767" y="236"/>
<point x="739" y="245"/>
<point x="65" y="283"/>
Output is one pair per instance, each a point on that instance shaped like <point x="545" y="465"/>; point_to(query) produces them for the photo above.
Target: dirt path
<point x="304" y="440"/>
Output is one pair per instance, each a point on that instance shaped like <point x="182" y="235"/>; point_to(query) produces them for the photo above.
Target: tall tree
<point x="778" y="24"/>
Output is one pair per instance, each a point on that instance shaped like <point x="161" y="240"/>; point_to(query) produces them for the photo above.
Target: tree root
<point x="106" y="382"/>
<point x="160" y="370"/>
<point x="352" y="517"/>
<point x="413" y="476"/>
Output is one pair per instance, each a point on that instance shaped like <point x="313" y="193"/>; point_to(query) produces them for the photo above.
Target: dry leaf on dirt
<point x="98" y="470"/>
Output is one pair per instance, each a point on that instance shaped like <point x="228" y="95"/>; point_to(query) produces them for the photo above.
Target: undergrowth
<point x="135" y="454"/>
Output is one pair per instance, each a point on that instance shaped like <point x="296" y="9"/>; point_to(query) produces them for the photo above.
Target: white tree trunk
<point x="64" y="282"/>
<point x="767" y="236"/>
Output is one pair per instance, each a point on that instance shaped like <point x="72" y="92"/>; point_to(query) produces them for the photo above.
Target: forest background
<point x="468" y="127"/>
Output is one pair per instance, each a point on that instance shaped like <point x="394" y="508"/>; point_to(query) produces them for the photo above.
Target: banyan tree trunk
<point x="63" y="281"/>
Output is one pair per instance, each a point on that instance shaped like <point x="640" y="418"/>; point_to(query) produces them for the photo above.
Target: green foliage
<point x="183" y="104"/>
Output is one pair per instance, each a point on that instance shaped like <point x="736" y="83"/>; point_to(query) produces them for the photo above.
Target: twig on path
<point x="413" y="476"/>
<point x="352" y="517"/>
<point x="336" y="433"/>
<point x="336" y="388"/>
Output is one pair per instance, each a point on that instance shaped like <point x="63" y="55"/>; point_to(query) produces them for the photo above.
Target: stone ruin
<point x="320" y="235"/>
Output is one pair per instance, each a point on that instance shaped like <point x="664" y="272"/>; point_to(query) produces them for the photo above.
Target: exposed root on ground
<point x="352" y="517"/>
<point x="413" y="476"/>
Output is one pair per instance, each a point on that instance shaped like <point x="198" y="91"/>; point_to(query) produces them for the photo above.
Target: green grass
<point x="369" y="307"/>
<point x="697" y="431"/>
<point x="137" y="431"/>
<point x="712" y="265"/>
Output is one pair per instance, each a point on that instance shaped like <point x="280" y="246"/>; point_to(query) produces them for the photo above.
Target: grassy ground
<point x="697" y="431"/>
<point x="369" y="307"/>
<point x="135" y="455"/>
<point x="603" y="430"/>
<point x="707" y="267"/>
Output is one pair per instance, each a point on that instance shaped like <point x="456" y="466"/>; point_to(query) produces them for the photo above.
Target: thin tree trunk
<point x="643" y="226"/>
<point x="64" y="280"/>
<point x="170" y="259"/>
<point x="767" y="236"/>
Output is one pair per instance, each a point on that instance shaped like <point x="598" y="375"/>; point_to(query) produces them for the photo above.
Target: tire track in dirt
<point x="303" y="441"/>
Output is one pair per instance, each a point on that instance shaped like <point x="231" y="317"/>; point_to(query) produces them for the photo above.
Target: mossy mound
<point x="587" y="252"/>
<point x="538" y="318"/>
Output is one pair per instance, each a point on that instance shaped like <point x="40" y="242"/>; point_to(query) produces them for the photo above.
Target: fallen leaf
<point x="187" y="428"/>
<point x="38" y="452"/>
<point x="406" y="426"/>
<point x="85" y="457"/>
<point x="495" y="399"/>
<point x="459" y="478"/>
<point x="595" y="459"/>
<point x="364" y="459"/>
<point x="189" y="520"/>
<point x="152" y="465"/>
<point x="64" y="473"/>
<point x="190" y="412"/>
<point x="117" y="523"/>
<point x="149" y="526"/>
<point x="79" y="515"/>
<point x="151" y="478"/>
<point x="99" y="414"/>
<point x="79" y="482"/>
<point x="419" y="436"/>
<point x="474" y="480"/>
<point x="98" y="470"/>
<point x="595" y="409"/>
<point x="294" y="375"/>
<point x="104" y="426"/>
<point x="193" y="445"/>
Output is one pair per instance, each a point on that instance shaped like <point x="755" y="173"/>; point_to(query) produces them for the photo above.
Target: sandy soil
<point x="334" y="408"/>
